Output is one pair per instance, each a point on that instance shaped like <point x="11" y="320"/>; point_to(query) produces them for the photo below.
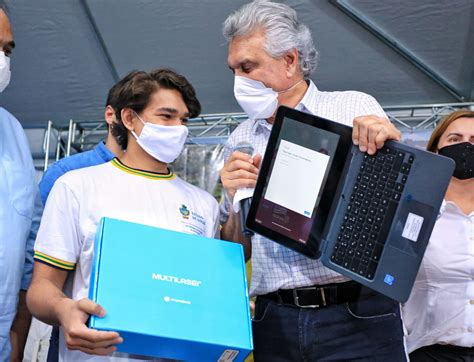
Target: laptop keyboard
<point x="371" y="209"/>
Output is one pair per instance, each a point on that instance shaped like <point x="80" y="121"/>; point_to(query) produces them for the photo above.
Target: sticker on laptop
<point x="228" y="355"/>
<point x="389" y="279"/>
<point x="412" y="228"/>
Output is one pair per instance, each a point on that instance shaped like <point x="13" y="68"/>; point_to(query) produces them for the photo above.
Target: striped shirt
<point x="273" y="265"/>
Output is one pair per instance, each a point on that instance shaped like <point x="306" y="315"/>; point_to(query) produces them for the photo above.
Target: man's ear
<point x="128" y="118"/>
<point x="109" y="115"/>
<point x="292" y="62"/>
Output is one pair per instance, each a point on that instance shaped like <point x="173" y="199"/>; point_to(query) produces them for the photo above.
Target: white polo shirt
<point x="80" y="198"/>
<point x="440" y="309"/>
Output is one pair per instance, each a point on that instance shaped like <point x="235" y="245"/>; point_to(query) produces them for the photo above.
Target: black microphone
<point x="247" y="148"/>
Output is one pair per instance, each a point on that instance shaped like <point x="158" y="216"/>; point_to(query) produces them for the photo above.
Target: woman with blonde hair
<point x="439" y="315"/>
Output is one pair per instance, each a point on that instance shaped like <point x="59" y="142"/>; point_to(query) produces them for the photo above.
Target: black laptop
<point x="367" y="217"/>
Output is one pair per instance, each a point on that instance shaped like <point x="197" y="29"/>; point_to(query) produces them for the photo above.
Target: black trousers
<point x="443" y="353"/>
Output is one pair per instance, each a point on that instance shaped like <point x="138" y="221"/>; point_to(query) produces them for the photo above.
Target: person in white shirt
<point x="439" y="315"/>
<point x="272" y="57"/>
<point x="151" y="110"/>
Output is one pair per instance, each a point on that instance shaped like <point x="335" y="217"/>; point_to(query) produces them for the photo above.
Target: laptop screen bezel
<point x="311" y="247"/>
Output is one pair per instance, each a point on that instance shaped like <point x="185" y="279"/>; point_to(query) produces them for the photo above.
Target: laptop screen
<point x="298" y="179"/>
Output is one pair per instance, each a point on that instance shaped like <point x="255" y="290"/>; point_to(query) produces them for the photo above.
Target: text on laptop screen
<point x="304" y="153"/>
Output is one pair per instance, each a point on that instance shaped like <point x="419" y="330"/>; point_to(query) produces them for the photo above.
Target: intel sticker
<point x="389" y="279"/>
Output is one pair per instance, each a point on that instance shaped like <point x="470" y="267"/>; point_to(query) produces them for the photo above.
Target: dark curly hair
<point x="136" y="88"/>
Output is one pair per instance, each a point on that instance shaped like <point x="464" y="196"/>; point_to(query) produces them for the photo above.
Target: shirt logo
<point x="184" y="211"/>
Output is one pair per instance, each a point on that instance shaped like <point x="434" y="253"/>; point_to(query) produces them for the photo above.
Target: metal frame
<point x="215" y="128"/>
<point x="412" y="118"/>
<point x="61" y="143"/>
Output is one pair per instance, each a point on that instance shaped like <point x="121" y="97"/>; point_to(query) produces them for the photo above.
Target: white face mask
<point x="258" y="101"/>
<point x="164" y="143"/>
<point x="255" y="99"/>
<point x="5" y="73"/>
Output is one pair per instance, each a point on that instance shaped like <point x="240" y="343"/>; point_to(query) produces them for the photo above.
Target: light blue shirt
<point x="17" y="196"/>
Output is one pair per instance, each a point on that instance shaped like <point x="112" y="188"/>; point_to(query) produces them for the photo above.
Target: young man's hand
<point x="73" y="316"/>
<point x="371" y="132"/>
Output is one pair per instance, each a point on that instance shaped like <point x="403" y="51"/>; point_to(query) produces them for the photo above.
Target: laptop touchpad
<point x="410" y="230"/>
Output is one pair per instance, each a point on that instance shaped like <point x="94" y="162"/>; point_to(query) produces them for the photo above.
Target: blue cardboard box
<point x="170" y="294"/>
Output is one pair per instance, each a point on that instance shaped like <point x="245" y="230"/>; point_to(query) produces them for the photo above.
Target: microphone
<point x="247" y="148"/>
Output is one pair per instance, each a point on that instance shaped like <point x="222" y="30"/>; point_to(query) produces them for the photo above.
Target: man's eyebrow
<point x="172" y="111"/>
<point x="246" y="62"/>
<point x="166" y="109"/>
<point x="241" y="64"/>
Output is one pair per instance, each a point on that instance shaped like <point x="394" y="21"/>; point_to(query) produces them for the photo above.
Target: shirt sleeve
<point x="58" y="243"/>
<point x="29" y="251"/>
<point x="371" y="107"/>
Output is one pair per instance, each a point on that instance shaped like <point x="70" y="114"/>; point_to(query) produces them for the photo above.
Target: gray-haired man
<point x="272" y="56"/>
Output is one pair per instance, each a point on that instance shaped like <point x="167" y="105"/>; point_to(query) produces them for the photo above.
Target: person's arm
<point x="57" y="250"/>
<point x="239" y="171"/>
<point x="49" y="304"/>
<point x="19" y="329"/>
<point x="15" y="150"/>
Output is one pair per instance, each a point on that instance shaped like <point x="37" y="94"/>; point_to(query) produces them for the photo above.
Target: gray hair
<point x="283" y="32"/>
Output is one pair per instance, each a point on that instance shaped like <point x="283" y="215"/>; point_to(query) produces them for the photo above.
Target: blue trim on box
<point x="249" y="318"/>
<point x="94" y="279"/>
<point x="133" y="343"/>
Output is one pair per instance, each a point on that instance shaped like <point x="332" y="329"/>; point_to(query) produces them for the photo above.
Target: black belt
<point x="318" y="296"/>
<point x="452" y="348"/>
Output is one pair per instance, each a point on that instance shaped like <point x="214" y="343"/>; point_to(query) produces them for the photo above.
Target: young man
<point x="17" y="195"/>
<point x="102" y="153"/>
<point x="272" y="56"/>
<point x="138" y="187"/>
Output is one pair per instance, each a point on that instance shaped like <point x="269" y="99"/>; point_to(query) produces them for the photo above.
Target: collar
<point x="309" y="98"/>
<point x="451" y="206"/>
<point x="104" y="153"/>
<point x="147" y="174"/>
<point x="261" y="125"/>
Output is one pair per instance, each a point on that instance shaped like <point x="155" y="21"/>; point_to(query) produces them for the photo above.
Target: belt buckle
<point x="297" y="302"/>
